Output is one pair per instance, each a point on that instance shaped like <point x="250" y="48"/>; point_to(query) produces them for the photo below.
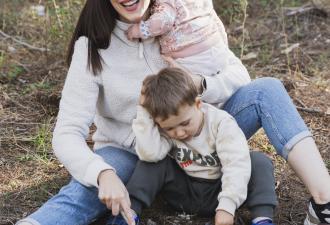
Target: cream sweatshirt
<point x="220" y="150"/>
<point x="109" y="101"/>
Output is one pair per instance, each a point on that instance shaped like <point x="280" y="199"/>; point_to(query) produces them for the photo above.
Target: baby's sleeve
<point x="161" y="21"/>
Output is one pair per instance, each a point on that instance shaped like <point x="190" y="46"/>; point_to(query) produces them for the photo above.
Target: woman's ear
<point x="198" y="102"/>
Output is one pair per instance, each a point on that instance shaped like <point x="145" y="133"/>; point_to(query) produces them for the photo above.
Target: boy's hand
<point x="133" y="32"/>
<point x="223" y="218"/>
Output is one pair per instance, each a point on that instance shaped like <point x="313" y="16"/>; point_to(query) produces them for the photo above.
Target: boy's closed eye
<point x="184" y="123"/>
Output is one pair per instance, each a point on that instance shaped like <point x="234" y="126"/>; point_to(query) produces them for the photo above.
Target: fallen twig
<point x="23" y="43"/>
<point x="301" y="103"/>
<point x="310" y="110"/>
<point x="291" y="11"/>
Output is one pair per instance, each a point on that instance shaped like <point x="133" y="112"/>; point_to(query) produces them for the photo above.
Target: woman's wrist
<point x="104" y="173"/>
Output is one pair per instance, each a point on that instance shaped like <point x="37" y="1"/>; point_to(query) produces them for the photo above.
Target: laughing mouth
<point x="129" y="3"/>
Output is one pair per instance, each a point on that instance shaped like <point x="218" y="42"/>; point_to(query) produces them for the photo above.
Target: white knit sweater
<point x="109" y="100"/>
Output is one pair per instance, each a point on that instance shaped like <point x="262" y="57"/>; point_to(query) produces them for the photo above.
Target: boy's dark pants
<point x="199" y="196"/>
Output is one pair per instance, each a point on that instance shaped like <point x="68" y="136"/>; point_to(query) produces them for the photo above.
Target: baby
<point x="192" y="34"/>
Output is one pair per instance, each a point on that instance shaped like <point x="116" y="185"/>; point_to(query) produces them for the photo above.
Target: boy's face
<point x="186" y="124"/>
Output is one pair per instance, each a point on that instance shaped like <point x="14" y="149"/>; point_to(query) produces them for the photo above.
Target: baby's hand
<point x="133" y="32"/>
<point x="223" y="218"/>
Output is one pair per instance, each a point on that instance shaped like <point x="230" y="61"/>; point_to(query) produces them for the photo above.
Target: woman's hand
<point x="197" y="79"/>
<point x="113" y="193"/>
<point x="223" y="218"/>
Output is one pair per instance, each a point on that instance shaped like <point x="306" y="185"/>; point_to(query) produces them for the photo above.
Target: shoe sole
<point x="311" y="220"/>
<point x="308" y="222"/>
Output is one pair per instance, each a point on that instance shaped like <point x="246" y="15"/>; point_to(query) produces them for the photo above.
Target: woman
<point x="103" y="86"/>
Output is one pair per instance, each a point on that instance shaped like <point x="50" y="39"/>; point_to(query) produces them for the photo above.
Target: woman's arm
<point x="150" y="145"/>
<point x="76" y="113"/>
<point x="219" y="88"/>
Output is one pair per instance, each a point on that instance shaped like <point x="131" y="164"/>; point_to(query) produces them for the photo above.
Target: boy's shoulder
<point x="213" y="112"/>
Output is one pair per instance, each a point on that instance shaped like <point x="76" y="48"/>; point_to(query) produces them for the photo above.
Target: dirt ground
<point x="276" y="40"/>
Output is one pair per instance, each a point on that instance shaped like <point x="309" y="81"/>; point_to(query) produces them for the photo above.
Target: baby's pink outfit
<point x="191" y="32"/>
<point x="185" y="27"/>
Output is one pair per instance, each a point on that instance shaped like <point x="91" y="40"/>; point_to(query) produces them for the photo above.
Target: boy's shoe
<point x="119" y="220"/>
<point x="264" y="222"/>
<point x="317" y="214"/>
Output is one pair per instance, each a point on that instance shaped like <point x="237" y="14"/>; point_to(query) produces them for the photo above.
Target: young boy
<point x="202" y="161"/>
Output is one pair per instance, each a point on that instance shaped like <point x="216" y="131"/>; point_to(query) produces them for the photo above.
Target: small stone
<point x="11" y="49"/>
<point x="150" y="222"/>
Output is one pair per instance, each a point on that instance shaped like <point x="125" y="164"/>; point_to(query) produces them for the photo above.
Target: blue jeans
<point x="262" y="103"/>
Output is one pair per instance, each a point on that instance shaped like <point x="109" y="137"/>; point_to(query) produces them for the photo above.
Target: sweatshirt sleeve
<point x="150" y="145"/>
<point x="76" y="113"/>
<point x="161" y="20"/>
<point x="233" y="152"/>
<point x="221" y="86"/>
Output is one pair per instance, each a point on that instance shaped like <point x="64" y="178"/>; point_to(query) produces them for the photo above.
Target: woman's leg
<point x="78" y="204"/>
<point x="265" y="103"/>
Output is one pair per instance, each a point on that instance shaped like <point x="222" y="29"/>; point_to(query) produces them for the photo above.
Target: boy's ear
<point x="198" y="102"/>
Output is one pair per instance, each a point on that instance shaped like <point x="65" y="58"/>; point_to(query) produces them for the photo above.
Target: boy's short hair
<point x="166" y="91"/>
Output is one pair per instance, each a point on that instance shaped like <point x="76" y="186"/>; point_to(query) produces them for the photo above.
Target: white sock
<point x="258" y="219"/>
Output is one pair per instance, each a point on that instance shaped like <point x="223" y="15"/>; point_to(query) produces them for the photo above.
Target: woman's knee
<point x="269" y="81"/>
<point x="269" y="85"/>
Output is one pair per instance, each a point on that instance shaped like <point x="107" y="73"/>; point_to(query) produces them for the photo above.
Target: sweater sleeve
<point x="161" y="21"/>
<point x="150" y="145"/>
<point x="76" y="113"/>
<point x="221" y="86"/>
<point x="233" y="152"/>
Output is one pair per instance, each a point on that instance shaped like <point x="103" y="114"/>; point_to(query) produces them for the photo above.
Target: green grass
<point x="41" y="142"/>
<point x="2" y="58"/>
<point x="292" y="3"/>
<point x="38" y="86"/>
<point x="265" y="54"/>
<point x="10" y="72"/>
<point x="230" y="10"/>
<point x="327" y="163"/>
<point x="15" y="71"/>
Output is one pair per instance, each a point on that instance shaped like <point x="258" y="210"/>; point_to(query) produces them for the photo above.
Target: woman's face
<point x="130" y="11"/>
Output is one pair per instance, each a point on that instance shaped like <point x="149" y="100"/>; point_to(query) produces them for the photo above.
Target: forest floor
<point x="276" y="40"/>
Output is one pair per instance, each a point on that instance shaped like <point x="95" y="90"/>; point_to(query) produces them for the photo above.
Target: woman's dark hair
<point x="96" y="21"/>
